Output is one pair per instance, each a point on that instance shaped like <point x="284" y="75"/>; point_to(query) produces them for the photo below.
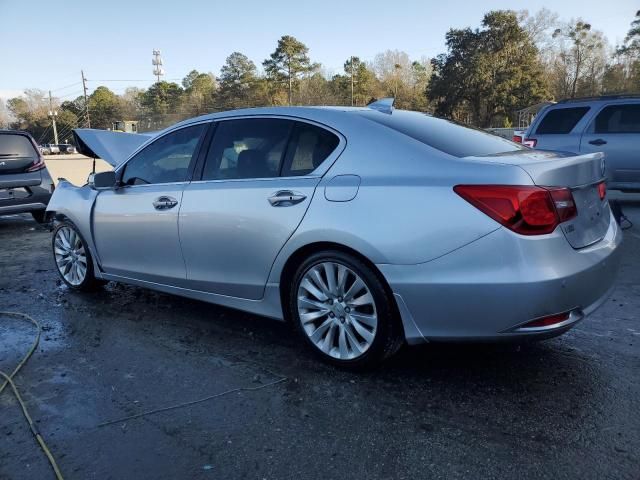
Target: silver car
<point x="364" y="227"/>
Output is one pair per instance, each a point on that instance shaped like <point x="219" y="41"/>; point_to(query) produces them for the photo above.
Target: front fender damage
<point x="75" y="204"/>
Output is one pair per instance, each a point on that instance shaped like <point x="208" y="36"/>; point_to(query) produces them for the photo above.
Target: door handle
<point x="598" y="141"/>
<point x="286" y="198"/>
<point x="164" y="203"/>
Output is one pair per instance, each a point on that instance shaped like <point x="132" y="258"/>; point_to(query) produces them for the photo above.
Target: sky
<point x="45" y="44"/>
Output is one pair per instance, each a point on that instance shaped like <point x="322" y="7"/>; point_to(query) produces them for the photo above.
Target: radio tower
<point x="158" y="71"/>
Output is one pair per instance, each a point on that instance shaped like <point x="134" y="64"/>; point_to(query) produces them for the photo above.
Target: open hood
<point x="112" y="147"/>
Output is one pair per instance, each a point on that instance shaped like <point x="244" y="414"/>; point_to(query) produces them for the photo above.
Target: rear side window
<point x="618" y="119"/>
<point x="444" y="135"/>
<point x="308" y="148"/>
<point x="12" y="145"/>
<point x="247" y="148"/>
<point x="561" y="120"/>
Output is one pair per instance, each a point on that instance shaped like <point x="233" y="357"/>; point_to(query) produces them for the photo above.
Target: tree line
<point x="511" y="61"/>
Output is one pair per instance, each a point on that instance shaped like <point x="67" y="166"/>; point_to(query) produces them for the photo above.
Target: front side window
<point x="247" y="148"/>
<point x="309" y="147"/>
<point x="618" y="119"/>
<point x="561" y="120"/>
<point x="166" y="160"/>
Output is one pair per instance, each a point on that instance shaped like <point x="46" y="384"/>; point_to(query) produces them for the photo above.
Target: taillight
<point x="517" y="138"/>
<point x="527" y="210"/>
<point x="602" y="190"/>
<point x="564" y="203"/>
<point x="38" y="164"/>
<point x="530" y="142"/>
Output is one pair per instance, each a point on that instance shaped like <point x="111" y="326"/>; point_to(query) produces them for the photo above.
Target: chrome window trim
<point x="257" y="179"/>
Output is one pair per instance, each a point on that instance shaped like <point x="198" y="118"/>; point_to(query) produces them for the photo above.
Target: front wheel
<point x="73" y="259"/>
<point x="343" y="311"/>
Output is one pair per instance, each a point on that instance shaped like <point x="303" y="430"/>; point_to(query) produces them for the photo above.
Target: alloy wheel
<point x="337" y="310"/>
<point x="70" y="255"/>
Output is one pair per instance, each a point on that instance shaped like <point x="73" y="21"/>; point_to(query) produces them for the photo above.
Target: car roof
<point x="581" y="101"/>
<point x="6" y="131"/>
<point x="317" y="113"/>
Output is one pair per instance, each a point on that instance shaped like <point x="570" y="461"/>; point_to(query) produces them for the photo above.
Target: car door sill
<point x="268" y="306"/>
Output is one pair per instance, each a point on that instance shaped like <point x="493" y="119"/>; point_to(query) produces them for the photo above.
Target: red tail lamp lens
<point x="525" y="209"/>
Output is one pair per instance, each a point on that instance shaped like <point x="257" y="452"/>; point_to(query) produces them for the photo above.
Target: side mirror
<point x="103" y="180"/>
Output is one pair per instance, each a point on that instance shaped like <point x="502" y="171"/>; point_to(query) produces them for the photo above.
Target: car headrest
<point x="252" y="164"/>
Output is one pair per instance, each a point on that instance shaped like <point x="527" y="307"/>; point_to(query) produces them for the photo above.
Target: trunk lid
<point x="581" y="173"/>
<point x="17" y="153"/>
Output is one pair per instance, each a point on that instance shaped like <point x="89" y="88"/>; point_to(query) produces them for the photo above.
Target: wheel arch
<point x="298" y="256"/>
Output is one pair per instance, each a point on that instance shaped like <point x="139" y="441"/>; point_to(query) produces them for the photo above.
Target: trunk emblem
<point x="2" y="164"/>
<point x="603" y="167"/>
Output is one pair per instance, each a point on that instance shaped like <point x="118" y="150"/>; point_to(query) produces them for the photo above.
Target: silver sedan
<point x="366" y="228"/>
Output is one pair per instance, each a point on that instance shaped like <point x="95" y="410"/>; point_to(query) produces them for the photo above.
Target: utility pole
<point x="158" y="71"/>
<point x="53" y="114"/>
<point x="86" y="102"/>
<point x="352" y="80"/>
<point x="290" y="82"/>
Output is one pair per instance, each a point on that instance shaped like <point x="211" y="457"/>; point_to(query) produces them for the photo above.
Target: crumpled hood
<point x="112" y="147"/>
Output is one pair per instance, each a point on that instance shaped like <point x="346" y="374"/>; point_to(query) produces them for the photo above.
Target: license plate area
<point x="592" y="221"/>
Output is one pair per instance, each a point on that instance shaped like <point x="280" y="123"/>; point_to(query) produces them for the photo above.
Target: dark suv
<point x="609" y="124"/>
<point x="25" y="184"/>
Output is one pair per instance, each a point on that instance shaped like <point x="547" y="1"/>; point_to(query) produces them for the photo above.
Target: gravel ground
<point x="564" y="408"/>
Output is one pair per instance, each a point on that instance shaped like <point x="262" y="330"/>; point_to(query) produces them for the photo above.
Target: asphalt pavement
<point x="564" y="408"/>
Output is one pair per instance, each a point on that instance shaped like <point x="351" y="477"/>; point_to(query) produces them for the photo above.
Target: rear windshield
<point x="13" y="145"/>
<point x="561" y="120"/>
<point x="444" y="135"/>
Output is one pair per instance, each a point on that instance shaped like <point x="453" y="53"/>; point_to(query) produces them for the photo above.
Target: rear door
<point x="615" y="131"/>
<point x="136" y="225"/>
<point x="256" y="185"/>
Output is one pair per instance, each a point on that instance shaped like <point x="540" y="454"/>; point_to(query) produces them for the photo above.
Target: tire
<point x="69" y="249"/>
<point x="354" y="326"/>
<point x="39" y="216"/>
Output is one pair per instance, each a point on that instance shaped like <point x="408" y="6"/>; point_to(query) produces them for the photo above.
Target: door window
<point x="308" y="148"/>
<point x="166" y="160"/>
<point x="618" y="119"/>
<point x="247" y="148"/>
<point x="561" y="120"/>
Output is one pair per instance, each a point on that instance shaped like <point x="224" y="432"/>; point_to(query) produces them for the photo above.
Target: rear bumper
<point x="487" y="289"/>
<point x="32" y="192"/>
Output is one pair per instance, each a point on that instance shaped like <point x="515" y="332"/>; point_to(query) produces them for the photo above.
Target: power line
<point x="65" y="87"/>
<point x="128" y="80"/>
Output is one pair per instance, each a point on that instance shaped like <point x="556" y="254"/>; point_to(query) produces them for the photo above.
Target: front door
<point x="256" y="186"/>
<point x="616" y="132"/>
<point x="136" y="225"/>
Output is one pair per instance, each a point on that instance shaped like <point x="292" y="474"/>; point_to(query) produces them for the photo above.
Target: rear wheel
<point x="343" y="311"/>
<point x="73" y="259"/>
